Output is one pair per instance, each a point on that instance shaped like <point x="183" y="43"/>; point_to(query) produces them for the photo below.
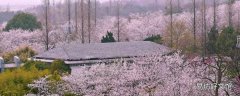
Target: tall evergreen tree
<point x="212" y="39"/>
<point x="226" y="41"/>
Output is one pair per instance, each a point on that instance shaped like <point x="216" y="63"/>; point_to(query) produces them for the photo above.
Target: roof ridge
<point x="77" y="51"/>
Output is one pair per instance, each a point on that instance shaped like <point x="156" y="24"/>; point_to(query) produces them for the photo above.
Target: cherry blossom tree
<point x="17" y="38"/>
<point x="150" y="75"/>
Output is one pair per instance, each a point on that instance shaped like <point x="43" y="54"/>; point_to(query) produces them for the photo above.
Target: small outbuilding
<point x="82" y="54"/>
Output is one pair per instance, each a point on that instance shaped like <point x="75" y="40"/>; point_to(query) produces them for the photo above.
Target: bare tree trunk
<point x="53" y="15"/>
<point x="69" y="20"/>
<point x="46" y="23"/>
<point x="204" y="30"/>
<point x="89" y="21"/>
<point x="171" y="20"/>
<point x="218" y="82"/>
<point x="214" y="13"/>
<point x="230" y="3"/>
<point x="95" y="19"/>
<point x="238" y="29"/>
<point x="118" y="20"/>
<point x="219" y="75"/>
<point x="76" y="16"/>
<point x="82" y="16"/>
<point x="194" y="24"/>
<point x="178" y="5"/>
<point x="110" y="7"/>
<point x="156" y="5"/>
<point x="229" y="13"/>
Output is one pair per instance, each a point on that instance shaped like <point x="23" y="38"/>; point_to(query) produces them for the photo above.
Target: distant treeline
<point x="7" y="15"/>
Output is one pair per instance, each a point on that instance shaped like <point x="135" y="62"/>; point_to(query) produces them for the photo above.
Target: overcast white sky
<point x="24" y="2"/>
<point x="20" y="2"/>
<point x="15" y="4"/>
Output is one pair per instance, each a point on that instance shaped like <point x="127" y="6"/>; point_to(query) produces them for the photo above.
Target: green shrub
<point x="60" y="67"/>
<point x="212" y="39"/>
<point x="23" y="21"/>
<point x="14" y="83"/>
<point x="23" y="53"/>
<point x="154" y="38"/>
<point x="38" y="64"/>
<point x="226" y="41"/>
<point x="108" y="38"/>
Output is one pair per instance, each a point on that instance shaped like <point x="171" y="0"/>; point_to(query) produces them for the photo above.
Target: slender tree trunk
<point x="171" y="20"/>
<point x="95" y="19"/>
<point x="229" y="13"/>
<point x="202" y="13"/>
<point x="204" y="37"/>
<point x="69" y="20"/>
<point x="46" y="23"/>
<point x="219" y="80"/>
<point x="156" y="5"/>
<point x="214" y="13"/>
<point x="194" y="24"/>
<point x="89" y="21"/>
<point x="230" y="3"/>
<point x="238" y="29"/>
<point x="53" y="15"/>
<point x="205" y="27"/>
<point x="118" y="20"/>
<point x="110" y="7"/>
<point x="82" y="16"/>
<point x="178" y="5"/>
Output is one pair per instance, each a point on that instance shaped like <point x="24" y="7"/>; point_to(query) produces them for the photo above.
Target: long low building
<point x="77" y="53"/>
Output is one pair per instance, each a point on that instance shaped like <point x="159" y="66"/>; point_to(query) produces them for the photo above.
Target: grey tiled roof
<point x="77" y="51"/>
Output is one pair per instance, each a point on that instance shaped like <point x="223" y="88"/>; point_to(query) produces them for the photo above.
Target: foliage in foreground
<point x="56" y="67"/>
<point x="60" y="67"/>
<point x="15" y="82"/>
<point x="37" y="64"/>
